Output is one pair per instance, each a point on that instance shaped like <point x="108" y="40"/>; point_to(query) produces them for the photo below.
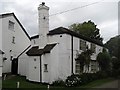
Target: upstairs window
<point x="13" y="40"/>
<point x="11" y="25"/>
<point x="82" y="45"/>
<point x="93" y="47"/>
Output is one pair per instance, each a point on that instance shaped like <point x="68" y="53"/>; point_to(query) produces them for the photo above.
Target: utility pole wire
<point x="75" y="8"/>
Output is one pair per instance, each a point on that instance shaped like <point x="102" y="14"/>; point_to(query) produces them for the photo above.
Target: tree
<point x="88" y="29"/>
<point x="114" y="46"/>
<point x="84" y="59"/>
<point x="115" y="66"/>
<point x="104" y="59"/>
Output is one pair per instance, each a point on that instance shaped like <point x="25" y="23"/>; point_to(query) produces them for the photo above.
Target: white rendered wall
<point x="0" y="65"/>
<point x="1" y="47"/>
<point x="0" y="33"/>
<point x="21" y="42"/>
<point x="23" y="65"/>
<point x="60" y="58"/>
<point x="36" y="42"/>
<point x="46" y="59"/>
<point x="33" y="73"/>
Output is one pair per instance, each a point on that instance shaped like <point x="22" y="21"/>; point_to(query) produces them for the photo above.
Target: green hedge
<point x="77" y="80"/>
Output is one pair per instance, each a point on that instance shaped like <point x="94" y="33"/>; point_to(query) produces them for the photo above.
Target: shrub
<point x="73" y="80"/>
<point x="102" y="74"/>
<point x="87" y="77"/>
<point x="58" y="83"/>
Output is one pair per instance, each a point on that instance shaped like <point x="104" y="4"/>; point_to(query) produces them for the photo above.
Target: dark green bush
<point x="73" y="80"/>
<point x="58" y="83"/>
<point x="77" y="80"/>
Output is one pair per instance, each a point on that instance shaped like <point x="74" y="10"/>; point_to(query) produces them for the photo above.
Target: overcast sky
<point x="104" y="14"/>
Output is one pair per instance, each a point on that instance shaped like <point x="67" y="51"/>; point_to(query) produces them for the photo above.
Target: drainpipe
<point x="72" y="55"/>
<point x="40" y="69"/>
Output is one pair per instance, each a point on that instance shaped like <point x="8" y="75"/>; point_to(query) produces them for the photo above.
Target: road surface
<point x="113" y="84"/>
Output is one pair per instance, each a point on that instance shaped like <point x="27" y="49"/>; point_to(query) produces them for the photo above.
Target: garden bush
<point x="77" y="80"/>
<point x="73" y="80"/>
<point x="58" y="83"/>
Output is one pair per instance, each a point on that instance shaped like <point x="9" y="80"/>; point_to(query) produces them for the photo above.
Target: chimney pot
<point x="43" y="3"/>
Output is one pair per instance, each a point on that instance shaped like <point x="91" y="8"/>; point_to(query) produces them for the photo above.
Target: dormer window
<point x="11" y="25"/>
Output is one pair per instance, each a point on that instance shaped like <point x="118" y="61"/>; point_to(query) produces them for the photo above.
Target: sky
<point x="104" y="13"/>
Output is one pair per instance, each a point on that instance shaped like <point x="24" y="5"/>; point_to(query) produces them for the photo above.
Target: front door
<point x="14" y="68"/>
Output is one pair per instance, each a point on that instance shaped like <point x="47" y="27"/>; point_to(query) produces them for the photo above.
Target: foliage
<point x="88" y="29"/>
<point x="84" y="58"/>
<point x="84" y="78"/>
<point x="58" y="83"/>
<point x="73" y="80"/>
<point x="104" y="59"/>
<point x="115" y="66"/>
<point x="114" y="46"/>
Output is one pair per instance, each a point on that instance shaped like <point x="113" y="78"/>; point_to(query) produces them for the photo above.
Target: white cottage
<point x="14" y="40"/>
<point x="53" y="53"/>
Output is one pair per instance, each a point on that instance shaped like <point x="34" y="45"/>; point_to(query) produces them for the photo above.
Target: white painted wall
<point x="33" y="74"/>
<point x="0" y="34"/>
<point x="0" y="47"/>
<point x="0" y="65"/>
<point x="23" y="65"/>
<point x="21" y="41"/>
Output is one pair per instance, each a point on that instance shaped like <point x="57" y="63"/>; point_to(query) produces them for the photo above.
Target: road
<point x="112" y="84"/>
<point x="0" y="83"/>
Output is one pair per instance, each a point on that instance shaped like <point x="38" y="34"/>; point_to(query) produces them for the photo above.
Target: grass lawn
<point x="11" y="83"/>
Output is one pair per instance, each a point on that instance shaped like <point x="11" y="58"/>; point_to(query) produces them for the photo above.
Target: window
<point x="34" y="41"/>
<point x="93" y="66"/>
<point x="77" y="67"/>
<point x="13" y="40"/>
<point x="82" y="45"/>
<point x="45" y="67"/>
<point x="34" y="59"/>
<point x="93" y="47"/>
<point x="11" y="25"/>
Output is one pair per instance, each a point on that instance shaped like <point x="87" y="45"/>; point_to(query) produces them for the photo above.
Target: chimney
<point x="43" y="20"/>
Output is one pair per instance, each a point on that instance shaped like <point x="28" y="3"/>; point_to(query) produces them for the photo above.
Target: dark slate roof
<point x="34" y="37"/>
<point x="1" y="52"/>
<point x="62" y="30"/>
<point x="48" y="48"/>
<point x="35" y="51"/>
<point x="12" y="14"/>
